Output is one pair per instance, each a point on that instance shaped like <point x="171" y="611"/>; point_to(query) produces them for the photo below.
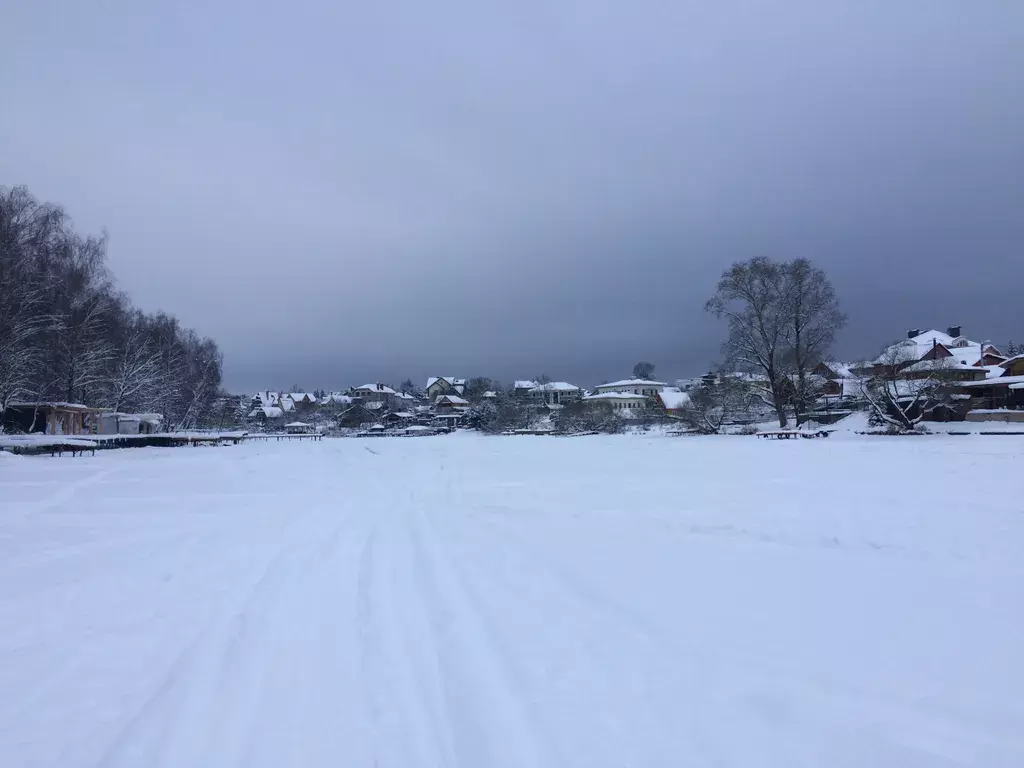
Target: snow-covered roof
<point x="404" y="396"/>
<point x="297" y="424"/>
<point x="918" y="346"/>
<point x="300" y="396"/>
<point x="286" y="404"/>
<point x="841" y="370"/>
<point x="524" y="384"/>
<point x="1018" y="385"/>
<point x="374" y="406"/>
<point x="451" y="380"/>
<point x="673" y="398"/>
<point x="270" y="411"/>
<point x="1002" y="381"/>
<point x="994" y="371"/>
<point x="490" y="393"/>
<point x="938" y="364"/>
<point x="453" y="399"/>
<point x="556" y="386"/>
<point x="614" y="396"/>
<point x="336" y="398"/>
<point x="614" y="385"/>
<point x="450" y="415"/>
<point x="405" y="415"/>
<point x="50" y="404"/>
<point x="267" y="397"/>
<point x="376" y="388"/>
<point x="1010" y="360"/>
<point x="851" y="387"/>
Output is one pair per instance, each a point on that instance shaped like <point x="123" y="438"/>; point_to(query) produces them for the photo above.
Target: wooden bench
<point x="785" y="434"/>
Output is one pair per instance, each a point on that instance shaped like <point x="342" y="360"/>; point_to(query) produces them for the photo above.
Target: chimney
<point x="913" y="332"/>
<point x="953" y="330"/>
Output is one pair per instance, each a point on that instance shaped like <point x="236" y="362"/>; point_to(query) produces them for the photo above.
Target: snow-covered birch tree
<point x="136" y="374"/>
<point x="66" y="335"/>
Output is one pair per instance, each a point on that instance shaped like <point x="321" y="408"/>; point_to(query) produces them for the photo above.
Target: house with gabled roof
<point x="522" y="387"/>
<point x="937" y="345"/>
<point x="673" y="400"/>
<point x="444" y="385"/>
<point x="336" y="401"/>
<point x="374" y="393"/>
<point x="304" y="401"/>
<point x="265" y="398"/>
<point x="445" y="403"/>
<point x="999" y="390"/>
<point x="267" y="414"/>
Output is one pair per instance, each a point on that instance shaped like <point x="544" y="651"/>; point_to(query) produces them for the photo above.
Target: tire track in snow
<point x="510" y="733"/>
<point x="368" y="642"/>
<point x="185" y="714"/>
<point x="403" y="680"/>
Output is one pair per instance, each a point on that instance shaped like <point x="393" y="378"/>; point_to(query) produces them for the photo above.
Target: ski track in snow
<point x="464" y="601"/>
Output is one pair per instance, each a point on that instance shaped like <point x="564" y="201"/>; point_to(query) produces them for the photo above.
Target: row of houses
<point x="978" y="375"/>
<point x="445" y="401"/>
<point x="984" y="376"/>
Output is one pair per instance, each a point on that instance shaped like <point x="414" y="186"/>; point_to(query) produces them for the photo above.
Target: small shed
<point x="50" y="418"/>
<point x="298" y="428"/>
<point x="114" y="423"/>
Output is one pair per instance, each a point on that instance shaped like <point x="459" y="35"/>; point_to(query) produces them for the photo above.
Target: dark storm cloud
<point x="340" y="192"/>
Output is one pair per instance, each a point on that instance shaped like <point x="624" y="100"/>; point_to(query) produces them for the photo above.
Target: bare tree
<point x="814" y="320"/>
<point x="783" y="319"/>
<point x="79" y="320"/>
<point x="752" y="296"/>
<point x="643" y="370"/>
<point x="579" y="416"/>
<point x="136" y="373"/>
<point x="66" y="335"/>
<point x="476" y="387"/>
<point x="29" y="233"/>
<point x="900" y="396"/>
<point x="715" y="403"/>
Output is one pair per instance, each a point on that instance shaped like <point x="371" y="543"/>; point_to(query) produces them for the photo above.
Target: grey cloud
<point x="340" y="192"/>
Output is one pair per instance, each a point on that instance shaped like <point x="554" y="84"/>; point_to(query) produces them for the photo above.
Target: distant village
<point x="928" y="376"/>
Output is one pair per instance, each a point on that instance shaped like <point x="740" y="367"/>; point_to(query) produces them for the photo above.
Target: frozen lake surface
<point x="516" y="602"/>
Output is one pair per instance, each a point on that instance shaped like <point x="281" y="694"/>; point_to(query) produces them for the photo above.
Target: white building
<point x="128" y="423"/>
<point x="556" y="393"/>
<point x="619" y="401"/>
<point x="374" y="393"/>
<point x="644" y="387"/>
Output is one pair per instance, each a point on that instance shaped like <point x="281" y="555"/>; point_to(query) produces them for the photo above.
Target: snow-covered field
<point x="528" y="601"/>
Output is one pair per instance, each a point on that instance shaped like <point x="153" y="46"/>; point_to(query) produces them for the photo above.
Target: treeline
<point x="67" y="334"/>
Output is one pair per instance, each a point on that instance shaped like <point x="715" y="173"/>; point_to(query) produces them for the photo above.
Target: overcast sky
<point x="340" y="192"/>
